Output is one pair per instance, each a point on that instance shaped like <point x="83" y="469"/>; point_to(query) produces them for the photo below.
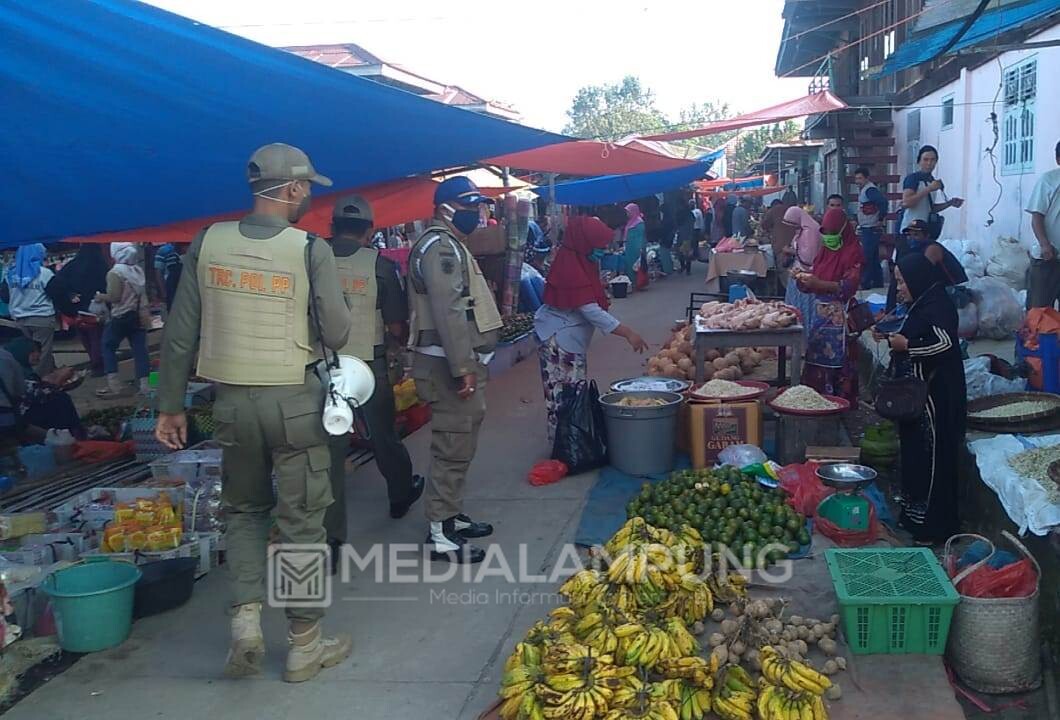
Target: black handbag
<point x="901" y="399"/>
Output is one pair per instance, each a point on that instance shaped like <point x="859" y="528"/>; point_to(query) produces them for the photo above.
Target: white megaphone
<point x="352" y="385"/>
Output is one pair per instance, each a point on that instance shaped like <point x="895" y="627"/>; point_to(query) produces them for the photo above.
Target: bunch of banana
<point x="585" y="693"/>
<point x="693" y="703"/>
<point x="792" y="674"/>
<point x="637" y="564"/>
<point x="638" y="532"/>
<point x="566" y="658"/>
<point x="728" y="588"/>
<point x="584" y="589"/>
<point x="597" y="628"/>
<point x="735" y="694"/>
<point x="777" y="703"/>
<point x="651" y="644"/>
<point x="526" y="655"/>
<point x="691" y="601"/>
<point x="520" y="690"/>
<point x="694" y="670"/>
<point x="647" y="703"/>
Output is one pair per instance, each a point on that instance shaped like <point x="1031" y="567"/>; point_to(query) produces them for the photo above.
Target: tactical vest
<point x="255" y="303"/>
<point x="361" y="288"/>
<point x="479" y="304"/>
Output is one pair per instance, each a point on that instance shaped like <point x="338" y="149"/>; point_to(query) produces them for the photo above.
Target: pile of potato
<point x="677" y="359"/>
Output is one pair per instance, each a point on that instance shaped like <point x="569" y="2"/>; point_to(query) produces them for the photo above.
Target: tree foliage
<point x="612" y="112"/>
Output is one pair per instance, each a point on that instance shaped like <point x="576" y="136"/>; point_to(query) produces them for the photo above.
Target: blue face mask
<point x="465" y="220"/>
<point x="597" y="255"/>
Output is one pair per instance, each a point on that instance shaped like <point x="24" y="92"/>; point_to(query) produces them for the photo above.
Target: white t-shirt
<point x="697" y="222"/>
<point x="1045" y="199"/>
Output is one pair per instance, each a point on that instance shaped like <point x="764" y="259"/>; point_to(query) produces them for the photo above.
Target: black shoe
<point x="401" y="509"/>
<point x="336" y="553"/>
<point x="468" y="528"/>
<point x="452" y="547"/>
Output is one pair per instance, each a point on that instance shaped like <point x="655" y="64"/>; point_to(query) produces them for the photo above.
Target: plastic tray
<point x="892" y="601"/>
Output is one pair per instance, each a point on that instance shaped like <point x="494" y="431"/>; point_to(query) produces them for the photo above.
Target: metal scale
<point x="846" y="508"/>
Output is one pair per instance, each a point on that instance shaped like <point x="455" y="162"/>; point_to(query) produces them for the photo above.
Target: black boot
<point x="445" y="543"/>
<point x="336" y="554"/>
<point x="400" y="509"/>
<point x="470" y="529"/>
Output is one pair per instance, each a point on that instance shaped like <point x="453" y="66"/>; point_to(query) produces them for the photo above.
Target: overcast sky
<point x="535" y="55"/>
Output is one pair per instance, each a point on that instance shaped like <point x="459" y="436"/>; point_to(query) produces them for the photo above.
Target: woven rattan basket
<point x="994" y="642"/>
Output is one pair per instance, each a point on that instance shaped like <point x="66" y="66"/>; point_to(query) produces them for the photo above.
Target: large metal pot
<point x="640" y="440"/>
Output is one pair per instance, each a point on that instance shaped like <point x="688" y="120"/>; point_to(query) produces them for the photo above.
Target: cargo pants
<point x="266" y="430"/>
<point x="391" y="456"/>
<point x="455" y="425"/>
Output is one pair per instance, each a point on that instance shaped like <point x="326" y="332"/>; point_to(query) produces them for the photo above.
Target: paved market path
<point x="418" y="654"/>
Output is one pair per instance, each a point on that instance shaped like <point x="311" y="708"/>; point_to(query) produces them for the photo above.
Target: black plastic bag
<point x="581" y="436"/>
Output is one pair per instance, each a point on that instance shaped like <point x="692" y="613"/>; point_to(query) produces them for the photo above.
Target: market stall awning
<point x="815" y="104"/>
<point x="732" y="184"/>
<point x="393" y="203"/>
<point x="616" y="188"/>
<point x="588" y="157"/>
<point x="119" y="115"/>
<point x="921" y="48"/>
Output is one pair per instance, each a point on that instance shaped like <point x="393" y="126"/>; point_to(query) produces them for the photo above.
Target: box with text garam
<point x="714" y="427"/>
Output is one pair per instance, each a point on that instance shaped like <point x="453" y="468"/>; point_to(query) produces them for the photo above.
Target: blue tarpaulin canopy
<point x="615" y="188"/>
<point x="119" y="115"/>
<point x="920" y="49"/>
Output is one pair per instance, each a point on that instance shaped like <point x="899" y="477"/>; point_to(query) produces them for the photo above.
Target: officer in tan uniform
<point x="377" y="300"/>
<point x="454" y="331"/>
<point x="256" y="300"/>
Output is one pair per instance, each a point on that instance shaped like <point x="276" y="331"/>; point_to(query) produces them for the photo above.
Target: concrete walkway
<point x="422" y="651"/>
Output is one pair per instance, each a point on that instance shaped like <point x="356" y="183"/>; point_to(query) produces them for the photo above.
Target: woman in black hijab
<point x="927" y="347"/>
<point x="80" y="280"/>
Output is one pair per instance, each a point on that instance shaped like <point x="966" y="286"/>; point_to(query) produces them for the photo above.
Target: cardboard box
<point x="715" y="427"/>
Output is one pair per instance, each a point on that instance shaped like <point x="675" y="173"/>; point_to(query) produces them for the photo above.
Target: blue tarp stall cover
<point x="920" y="49"/>
<point x="615" y="188"/>
<point x="118" y="115"/>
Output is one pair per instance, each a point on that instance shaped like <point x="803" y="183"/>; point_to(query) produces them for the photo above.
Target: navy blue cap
<point x="459" y="190"/>
<point x="916" y="225"/>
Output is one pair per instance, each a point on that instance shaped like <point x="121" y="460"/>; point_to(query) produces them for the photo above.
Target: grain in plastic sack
<point x="1000" y="312"/>
<point x="1009" y="262"/>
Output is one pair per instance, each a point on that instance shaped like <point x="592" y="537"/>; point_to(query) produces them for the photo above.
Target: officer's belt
<point x="439" y="352"/>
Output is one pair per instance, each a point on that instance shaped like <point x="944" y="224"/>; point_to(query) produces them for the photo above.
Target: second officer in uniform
<point x="373" y="290"/>
<point x="454" y="331"/>
<point x="256" y="300"/>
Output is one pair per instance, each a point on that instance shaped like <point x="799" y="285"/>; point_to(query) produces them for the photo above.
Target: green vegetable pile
<point x="727" y="507"/>
<point x="516" y="326"/>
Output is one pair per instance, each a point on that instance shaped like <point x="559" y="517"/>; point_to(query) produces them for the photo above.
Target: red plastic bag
<point x="547" y="472"/>
<point x="805" y="490"/>
<point x="1014" y="580"/>
<point x="849" y="538"/>
<point x="95" y="451"/>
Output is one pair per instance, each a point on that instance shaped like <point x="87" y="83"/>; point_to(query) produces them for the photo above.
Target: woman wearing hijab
<point x="127" y="297"/>
<point x="575" y="306"/>
<point x="927" y="348"/>
<point x="80" y="279"/>
<point x="634" y="236"/>
<point x="831" y="357"/>
<point x="29" y="291"/>
<point x="40" y="402"/>
<point x="800" y="256"/>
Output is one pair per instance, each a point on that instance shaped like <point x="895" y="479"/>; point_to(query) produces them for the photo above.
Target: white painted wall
<point x="964" y="166"/>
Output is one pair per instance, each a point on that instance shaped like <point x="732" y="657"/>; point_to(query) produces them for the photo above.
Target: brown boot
<point x="248" y="644"/>
<point x="311" y="651"/>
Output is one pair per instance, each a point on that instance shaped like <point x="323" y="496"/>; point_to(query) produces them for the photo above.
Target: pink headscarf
<point x="635" y="216"/>
<point x="807" y="240"/>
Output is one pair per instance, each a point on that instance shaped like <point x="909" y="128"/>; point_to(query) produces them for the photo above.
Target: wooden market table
<point x="780" y="338"/>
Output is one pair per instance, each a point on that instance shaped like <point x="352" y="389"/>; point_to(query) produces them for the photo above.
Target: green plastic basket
<point x="893" y="601"/>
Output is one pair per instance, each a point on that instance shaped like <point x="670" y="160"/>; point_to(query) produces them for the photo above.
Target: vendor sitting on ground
<point x="40" y="401"/>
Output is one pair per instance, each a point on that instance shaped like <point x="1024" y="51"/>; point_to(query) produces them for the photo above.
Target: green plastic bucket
<point x="92" y="604"/>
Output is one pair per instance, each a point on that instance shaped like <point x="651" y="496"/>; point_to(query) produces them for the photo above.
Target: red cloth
<point x="831" y="265"/>
<point x="574" y="280"/>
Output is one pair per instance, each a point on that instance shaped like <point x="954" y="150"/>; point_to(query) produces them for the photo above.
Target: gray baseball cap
<point x="279" y="161"/>
<point x="352" y="207"/>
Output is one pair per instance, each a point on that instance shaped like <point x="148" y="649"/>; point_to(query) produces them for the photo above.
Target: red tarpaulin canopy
<point x="393" y="203"/>
<point x="750" y="192"/>
<point x="588" y="157"/>
<point x="821" y="102"/>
